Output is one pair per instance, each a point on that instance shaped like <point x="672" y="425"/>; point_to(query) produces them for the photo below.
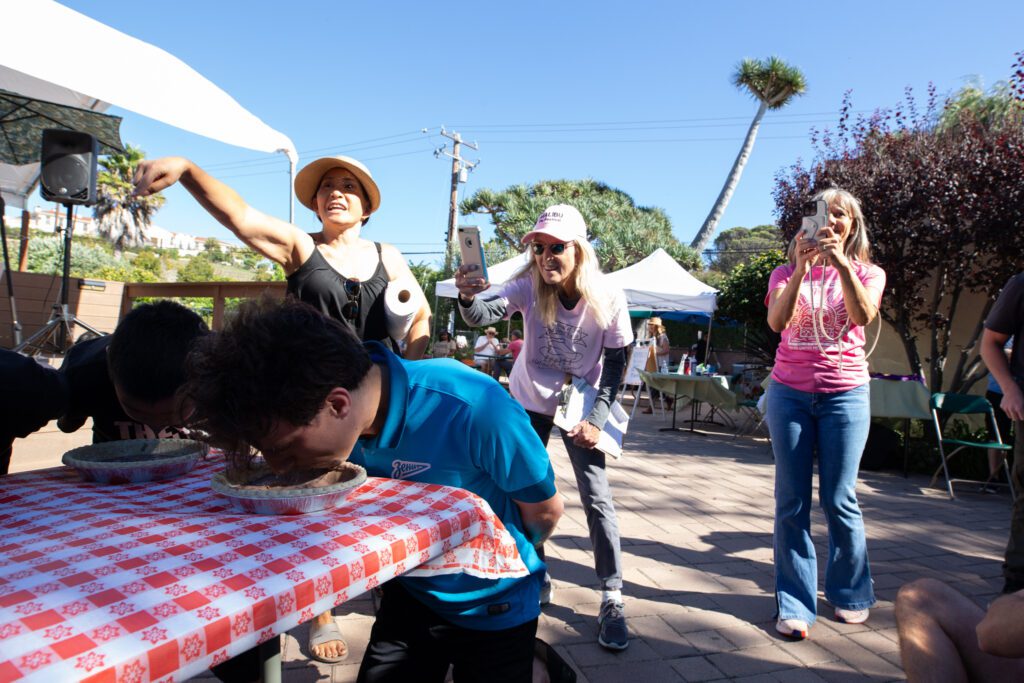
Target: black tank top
<point x="318" y="284"/>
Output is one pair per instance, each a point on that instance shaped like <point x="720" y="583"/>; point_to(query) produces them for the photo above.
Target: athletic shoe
<point x="792" y="628"/>
<point x="852" y="616"/>
<point x="612" y="634"/>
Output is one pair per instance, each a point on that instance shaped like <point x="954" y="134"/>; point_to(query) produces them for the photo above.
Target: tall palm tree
<point x="120" y="216"/>
<point x="773" y="83"/>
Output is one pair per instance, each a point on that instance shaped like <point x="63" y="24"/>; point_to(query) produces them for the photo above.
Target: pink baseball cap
<point x="561" y="221"/>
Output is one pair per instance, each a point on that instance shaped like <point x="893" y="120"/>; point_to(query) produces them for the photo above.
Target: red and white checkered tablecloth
<point x="159" y="581"/>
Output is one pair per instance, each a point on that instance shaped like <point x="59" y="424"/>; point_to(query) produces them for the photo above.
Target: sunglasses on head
<point x="556" y="249"/>
<point x="351" y="309"/>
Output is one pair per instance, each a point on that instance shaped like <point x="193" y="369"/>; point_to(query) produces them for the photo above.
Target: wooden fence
<point x="101" y="303"/>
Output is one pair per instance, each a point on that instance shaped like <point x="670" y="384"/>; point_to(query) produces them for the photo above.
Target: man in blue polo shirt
<point x="308" y="394"/>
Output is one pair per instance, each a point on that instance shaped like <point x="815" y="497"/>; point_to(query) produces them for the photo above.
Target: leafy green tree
<point x="198" y="269"/>
<point x="148" y="261"/>
<point x="621" y="232"/>
<point x="214" y="252"/>
<point x="736" y="246"/>
<point x="741" y="298"/>
<point x="120" y="216"/>
<point x="773" y="83"/>
<point x="941" y="192"/>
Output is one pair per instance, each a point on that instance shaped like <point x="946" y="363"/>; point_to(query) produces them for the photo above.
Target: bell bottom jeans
<point x="835" y="426"/>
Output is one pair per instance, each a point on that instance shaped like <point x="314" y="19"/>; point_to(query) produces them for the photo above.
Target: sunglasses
<point x="351" y="309"/>
<point x="556" y="249"/>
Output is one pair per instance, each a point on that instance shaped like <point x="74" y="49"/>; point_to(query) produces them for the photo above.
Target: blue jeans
<point x="836" y="427"/>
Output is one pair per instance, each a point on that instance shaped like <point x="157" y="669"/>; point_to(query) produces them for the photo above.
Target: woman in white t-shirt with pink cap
<point x="575" y="325"/>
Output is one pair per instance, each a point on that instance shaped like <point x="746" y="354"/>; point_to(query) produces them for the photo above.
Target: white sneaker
<point x="547" y="589"/>
<point x="852" y="616"/>
<point x="793" y="628"/>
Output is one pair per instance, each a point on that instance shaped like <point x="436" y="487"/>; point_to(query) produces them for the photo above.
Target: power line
<point x="649" y="121"/>
<point x="636" y="141"/>
<point x="777" y="119"/>
<point x="359" y="144"/>
<point x="599" y="129"/>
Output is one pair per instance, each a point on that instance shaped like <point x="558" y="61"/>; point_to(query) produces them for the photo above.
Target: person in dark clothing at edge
<point x="1005" y="320"/>
<point x="127" y="382"/>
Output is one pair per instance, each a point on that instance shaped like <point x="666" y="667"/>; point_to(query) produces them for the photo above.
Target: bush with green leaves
<point x="198" y="269"/>
<point x="46" y="253"/>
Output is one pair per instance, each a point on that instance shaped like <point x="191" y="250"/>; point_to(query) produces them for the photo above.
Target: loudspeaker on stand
<point x="69" y="165"/>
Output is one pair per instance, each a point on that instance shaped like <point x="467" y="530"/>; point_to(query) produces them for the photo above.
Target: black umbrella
<point x="23" y="120"/>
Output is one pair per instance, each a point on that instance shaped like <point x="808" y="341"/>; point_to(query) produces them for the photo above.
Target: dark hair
<point x="147" y="351"/>
<point x="274" y="361"/>
<point x="517" y="333"/>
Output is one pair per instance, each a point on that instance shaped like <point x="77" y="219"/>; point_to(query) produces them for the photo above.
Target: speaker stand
<point x="57" y="335"/>
<point x="15" y="323"/>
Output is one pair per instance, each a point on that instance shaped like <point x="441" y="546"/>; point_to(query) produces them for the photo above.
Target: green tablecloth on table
<point x="895" y="398"/>
<point x="713" y="389"/>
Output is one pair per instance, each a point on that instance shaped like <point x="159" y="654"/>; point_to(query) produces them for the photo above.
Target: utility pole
<point x="459" y="168"/>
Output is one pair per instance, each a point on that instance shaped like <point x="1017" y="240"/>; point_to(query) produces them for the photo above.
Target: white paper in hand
<point x="577" y="402"/>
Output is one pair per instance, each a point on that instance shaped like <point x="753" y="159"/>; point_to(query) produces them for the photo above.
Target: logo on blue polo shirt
<point x="403" y="469"/>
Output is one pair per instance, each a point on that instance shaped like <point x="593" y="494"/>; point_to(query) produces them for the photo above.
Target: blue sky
<point x="637" y="95"/>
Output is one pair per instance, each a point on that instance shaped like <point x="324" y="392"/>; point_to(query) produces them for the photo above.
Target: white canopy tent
<point x="659" y="284"/>
<point x="147" y="81"/>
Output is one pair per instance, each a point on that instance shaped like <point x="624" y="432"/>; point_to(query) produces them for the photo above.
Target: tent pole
<point x="433" y="321"/>
<point x="707" y="342"/>
<point x="291" y="195"/>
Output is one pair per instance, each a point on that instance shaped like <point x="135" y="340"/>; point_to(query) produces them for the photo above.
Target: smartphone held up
<point x="815" y="217"/>
<point x="472" y="249"/>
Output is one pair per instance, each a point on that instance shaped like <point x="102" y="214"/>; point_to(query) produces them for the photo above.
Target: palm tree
<point x="773" y="83"/>
<point x="120" y="216"/>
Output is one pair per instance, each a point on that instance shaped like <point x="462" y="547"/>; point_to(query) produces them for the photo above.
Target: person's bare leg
<point x="938" y="641"/>
<point x="332" y="648"/>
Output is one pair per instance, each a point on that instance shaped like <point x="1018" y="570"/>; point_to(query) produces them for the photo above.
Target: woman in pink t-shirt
<point x="575" y="325"/>
<point x="818" y="403"/>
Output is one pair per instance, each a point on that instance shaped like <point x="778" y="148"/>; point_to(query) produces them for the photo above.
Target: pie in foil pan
<point x="135" y="461"/>
<point x="258" y="490"/>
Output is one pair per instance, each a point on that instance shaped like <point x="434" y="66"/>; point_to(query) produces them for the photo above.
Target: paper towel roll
<point x="402" y="301"/>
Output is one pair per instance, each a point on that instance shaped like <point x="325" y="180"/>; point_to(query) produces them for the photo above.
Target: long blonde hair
<point x="586" y="277"/>
<point x="856" y="246"/>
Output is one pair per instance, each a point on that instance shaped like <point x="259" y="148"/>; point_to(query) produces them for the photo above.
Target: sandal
<point x="320" y="634"/>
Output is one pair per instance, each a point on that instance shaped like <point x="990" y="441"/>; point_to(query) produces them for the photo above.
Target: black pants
<point x="410" y="643"/>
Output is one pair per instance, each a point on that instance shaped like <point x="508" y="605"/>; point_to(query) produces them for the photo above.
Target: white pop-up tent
<point x="146" y="80"/>
<point x="659" y="284"/>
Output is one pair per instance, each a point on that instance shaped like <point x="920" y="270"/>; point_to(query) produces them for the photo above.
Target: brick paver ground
<point x="695" y="511"/>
